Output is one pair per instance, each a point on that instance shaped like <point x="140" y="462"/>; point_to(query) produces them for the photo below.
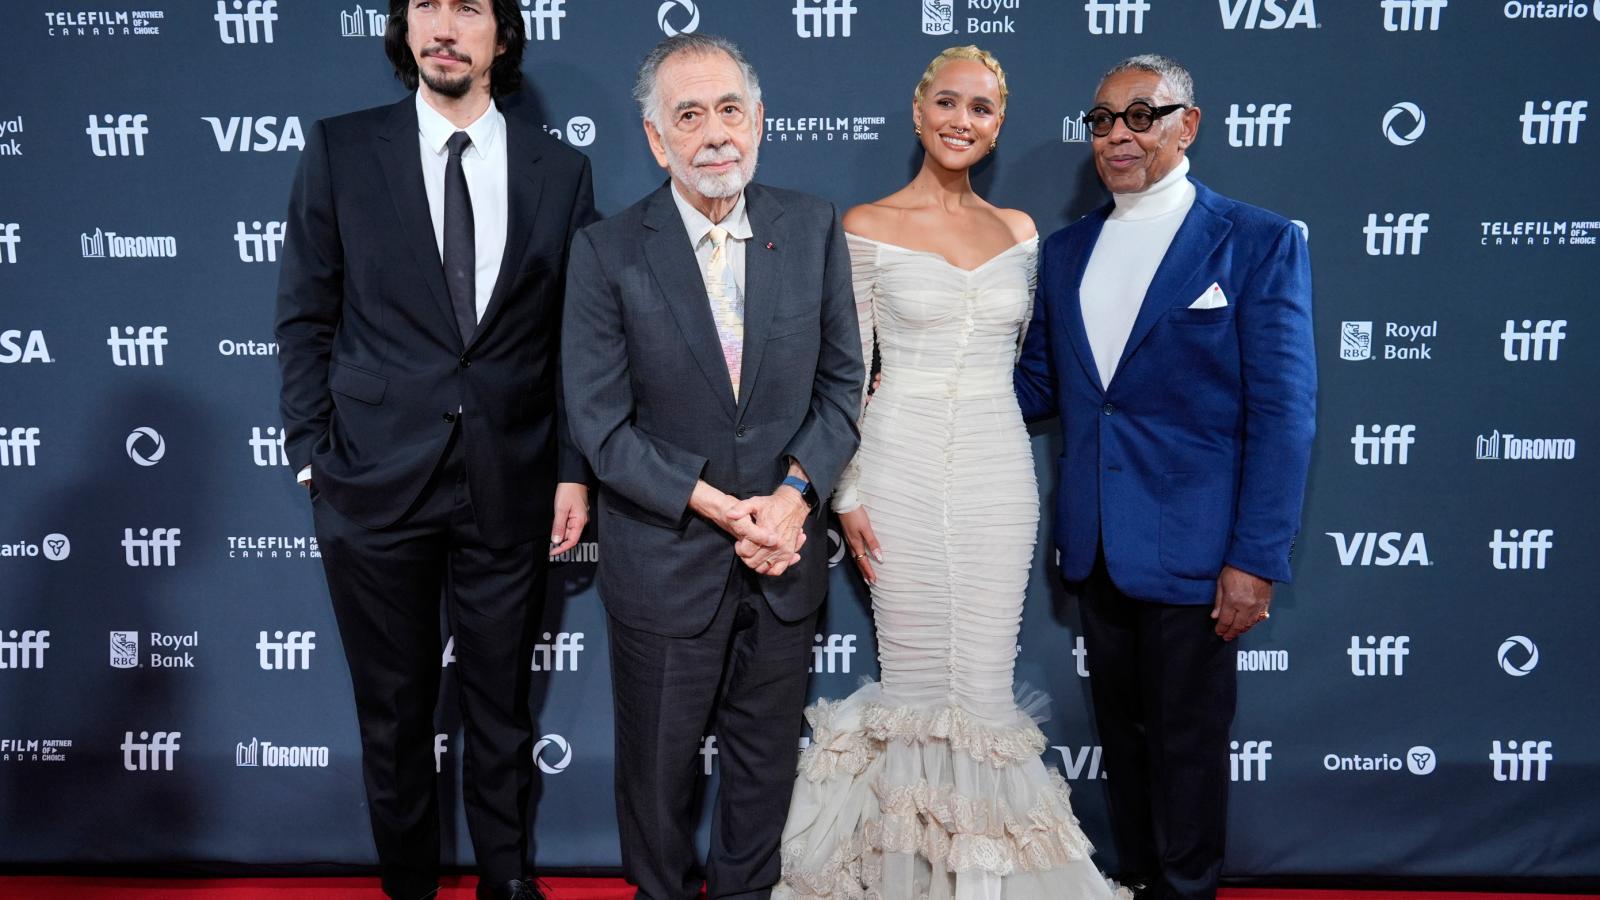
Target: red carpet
<point x="48" y="888"/>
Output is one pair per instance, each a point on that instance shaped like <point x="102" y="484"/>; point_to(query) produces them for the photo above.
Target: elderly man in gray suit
<point x="713" y="376"/>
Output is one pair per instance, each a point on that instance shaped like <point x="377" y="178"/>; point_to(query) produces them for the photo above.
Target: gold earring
<point x="993" y="144"/>
<point x="919" y="131"/>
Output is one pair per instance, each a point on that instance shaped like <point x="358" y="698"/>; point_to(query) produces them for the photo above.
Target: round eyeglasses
<point x="1138" y="117"/>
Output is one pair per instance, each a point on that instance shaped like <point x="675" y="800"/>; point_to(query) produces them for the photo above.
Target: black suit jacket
<point x="653" y="408"/>
<point x="373" y="365"/>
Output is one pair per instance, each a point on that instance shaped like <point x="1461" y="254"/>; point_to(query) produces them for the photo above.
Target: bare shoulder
<point x="1020" y="223"/>
<point x="872" y="220"/>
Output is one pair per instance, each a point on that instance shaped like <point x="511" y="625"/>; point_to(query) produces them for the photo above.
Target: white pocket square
<point x="1213" y="298"/>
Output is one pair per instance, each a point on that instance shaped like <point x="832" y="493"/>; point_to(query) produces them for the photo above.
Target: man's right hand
<point x="717" y="508"/>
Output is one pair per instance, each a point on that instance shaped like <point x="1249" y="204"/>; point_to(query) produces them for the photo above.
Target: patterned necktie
<point x="727" y="308"/>
<point x="460" y="262"/>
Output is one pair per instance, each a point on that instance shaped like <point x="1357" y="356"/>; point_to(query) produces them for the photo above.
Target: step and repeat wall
<point x="1421" y="704"/>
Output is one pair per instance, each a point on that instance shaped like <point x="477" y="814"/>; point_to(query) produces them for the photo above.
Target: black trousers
<point x="1164" y="689"/>
<point x="386" y="585"/>
<point x="743" y="681"/>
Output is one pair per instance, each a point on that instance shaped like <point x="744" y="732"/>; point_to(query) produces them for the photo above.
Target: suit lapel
<point x="524" y="187"/>
<point x="1076" y="264"/>
<point x="402" y="170"/>
<point x="677" y="275"/>
<point x="763" y="283"/>
<point x="1174" y="282"/>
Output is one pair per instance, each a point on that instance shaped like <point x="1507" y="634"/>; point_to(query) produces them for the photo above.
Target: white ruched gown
<point x="929" y="783"/>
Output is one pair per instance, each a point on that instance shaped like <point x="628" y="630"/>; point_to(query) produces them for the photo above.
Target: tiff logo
<point x="1369" y="548"/>
<point x="1395" y="238"/>
<point x="1254" y="129"/>
<point x="708" y="752"/>
<point x="823" y="18"/>
<point x="23" y="650"/>
<point x="10" y="237"/>
<point x="1081" y="762"/>
<point x="1387" y="445"/>
<point x="19" y="447"/>
<point x="543" y="13"/>
<point x="259" y="243"/>
<point x="1080" y="657"/>
<point x="151" y="752"/>
<point x="558" y="652"/>
<point x="291" y="651"/>
<point x="268" y="448"/>
<point x="1526" y="344"/>
<point x="1412" y="15"/>
<point x="1549" y="126"/>
<point x="141" y="346"/>
<point x="120" y="135"/>
<point x="360" y="22"/>
<point x="249" y="23"/>
<point x="1527" y="551"/>
<point x="1116" y="16"/>
<point x="441" y="746"/>
<point x="1304" y="12"/>
<point x="831" y="654"/>
<point x="1376" y="656"/>
<point x="147" y="549"/>
<point x="1249" y="763"/>
<point x="1525" y="763"/>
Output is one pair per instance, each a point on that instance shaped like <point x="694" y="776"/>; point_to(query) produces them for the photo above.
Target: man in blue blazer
<point x="1172" y="334"/>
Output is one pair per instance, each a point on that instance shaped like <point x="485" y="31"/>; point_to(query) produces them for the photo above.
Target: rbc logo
<point x="249" y="23"/>
<point x="1355" y="341"/>
<point x="121" y="135"/>
<point x="1394" y="441"/>
<point x="1395" y="238"/>
<point x="938" y="16"/>
<point x="151" y="752"/>
<point x="543" y="13"/>
<point x="1412" y="15"/>
<point x="1249" y="761"/>
<point x="1303" y="13"/>
<point x="1525" y="344"/>
<point x="1527" y="551"/>
<point x="261" y="242"/>
<point x="1116" y="16"/>
<point x="10" y="237"/>
<point x="141" y="346"/>
<point x="823" y="18"/>
<point x="1376" y="656"/>
<point x="19" y="449"/>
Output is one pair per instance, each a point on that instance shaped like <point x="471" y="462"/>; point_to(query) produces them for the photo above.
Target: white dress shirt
<point x="1124" y="262"/>
<point x="736" y="223"/>
<point x="484" y="164"/>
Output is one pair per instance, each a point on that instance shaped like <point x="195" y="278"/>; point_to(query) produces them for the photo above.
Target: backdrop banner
<point x="1420" y="704"/>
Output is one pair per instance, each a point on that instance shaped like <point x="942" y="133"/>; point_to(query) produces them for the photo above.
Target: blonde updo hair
<point x="971" y="53"/>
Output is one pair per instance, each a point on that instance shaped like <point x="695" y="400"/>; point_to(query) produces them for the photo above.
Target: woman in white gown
<point x="930" y="782"/>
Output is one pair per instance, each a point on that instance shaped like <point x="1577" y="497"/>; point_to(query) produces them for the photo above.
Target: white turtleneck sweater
<point x="1124" y="261"/>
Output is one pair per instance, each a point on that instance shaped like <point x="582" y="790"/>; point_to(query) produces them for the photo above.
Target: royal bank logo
<point x="823" y="18"/>
<point x="1404" y="123"/>
<point x="1372" y="548"/>
<point x="259" y="753"/>
<point x="938" y="17"/>
<point x="1521" y="761"/>
<point x="260" y="242"/>
<point x="1082" y="763"/>
<point x="104" y="23"/>
<point x="152" y="546"/>
<point x="120" y="135"/>
<point x="1116" y="16"/>
<point x="1073" y="131"/>
<point x="1544" y="233"/>
<point x="124" y="649"/>
<point x="273" y="546"/>
<point x="1497" y="446"/>
<point x="1355" y="340"/>
<point x="1263" y="661"/>
<point x="266" y="446"/>
<point x="10" y="146"/>
<point x="1518" y="655"/>
<point x="1521" y="550"/>
<point x="1402" y="341"/>
<point x="1268" y="15"/>
<point x="1418" y="761"/>
<point x="558" y="652"/>
<point x="541" y="19"/>
<point x="1386" y="445"/>
<point x="830" y="654"/>
<point x="1379" y="656"/>
<point x="14" y="348"/>
<point x="109" y="244"/>
<point x="1247" y="760"/>
<point x="256" y="134"/>
<point x="1535" y="341"/>
<point x="23" y="649"/>
<point x="289" y="651"/>
<point x="558" y="757"/>
<point x="1399" y="235"/>
<point x="675" y="17"/>
<point x="138" y="345"/>
<point x="156" y="752"/>
<point x="145" y="446"/>
<point x="1254" y="127"/>
<point x="10" y="237"/>
<point x="1412" y="15"/>
<point x="362" y="22"/>
<point x="19" y="447"/>
<point x="244" y="22"/>
<point x="1555" y="121"/>
<point x="173" y="651"/>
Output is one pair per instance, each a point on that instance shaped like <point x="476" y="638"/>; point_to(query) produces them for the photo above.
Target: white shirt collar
<point x="436" y="129"/>
<point x="737" y="221"/>
<point x="1172" y="193"/>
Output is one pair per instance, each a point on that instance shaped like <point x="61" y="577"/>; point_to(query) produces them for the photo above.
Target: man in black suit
<point x="419" y="311"/>
<point x="710" y="354"/>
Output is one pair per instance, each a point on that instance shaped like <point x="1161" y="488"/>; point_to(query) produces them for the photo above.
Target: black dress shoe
<point x="515" y="889"/>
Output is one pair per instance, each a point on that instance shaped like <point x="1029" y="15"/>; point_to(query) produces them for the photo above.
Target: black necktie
<point x="460" y="265"/>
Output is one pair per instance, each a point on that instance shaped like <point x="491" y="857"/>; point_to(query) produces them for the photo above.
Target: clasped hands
<point x="769" y="530"/>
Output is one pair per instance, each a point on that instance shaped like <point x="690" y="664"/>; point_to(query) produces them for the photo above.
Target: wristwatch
<point x="807" y="492"/>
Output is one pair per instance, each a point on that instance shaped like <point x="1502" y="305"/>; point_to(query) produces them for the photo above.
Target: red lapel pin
<point x="771" y="246"/>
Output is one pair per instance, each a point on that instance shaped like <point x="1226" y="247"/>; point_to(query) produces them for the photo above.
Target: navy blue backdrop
<point x="1421" y="704"/>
